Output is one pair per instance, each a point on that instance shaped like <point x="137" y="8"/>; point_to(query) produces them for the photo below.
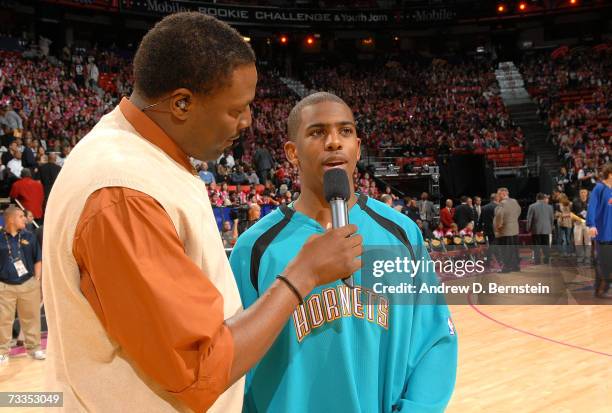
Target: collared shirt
<point x="24" y="246"/>
<point x="147" y="257"/>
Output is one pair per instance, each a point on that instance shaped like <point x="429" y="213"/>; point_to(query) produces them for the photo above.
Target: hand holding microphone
<point x="333" y="255"/>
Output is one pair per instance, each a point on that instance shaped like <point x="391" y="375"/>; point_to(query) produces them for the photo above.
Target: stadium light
<point x="284" y="39"/>
<point x="522" y="6"/>
<point x="246" y="39"/>
<point x="309" y="40"/>
<point x="574" y="2"/>
<point x="501" y="8"/>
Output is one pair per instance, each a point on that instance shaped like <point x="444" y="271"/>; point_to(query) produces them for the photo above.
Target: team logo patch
<point x="451" y="327"/>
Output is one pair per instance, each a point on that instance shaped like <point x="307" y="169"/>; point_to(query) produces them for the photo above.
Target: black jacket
<point x="47" y="173"/>
<point x="463" y="215"/>
<point x="487" y="214"/>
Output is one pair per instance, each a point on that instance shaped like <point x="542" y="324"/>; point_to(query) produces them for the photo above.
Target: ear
<point x="291" y="153"/>
<point x="358" y="149"/>
<point x="181" y="103"/>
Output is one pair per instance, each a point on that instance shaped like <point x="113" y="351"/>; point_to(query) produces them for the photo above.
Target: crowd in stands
<point x="419" y="110"/>
<point x="412" y="111"/>
<point x="573" y="90"/>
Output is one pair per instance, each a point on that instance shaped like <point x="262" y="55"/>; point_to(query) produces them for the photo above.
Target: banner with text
<point x="295" y="17"/>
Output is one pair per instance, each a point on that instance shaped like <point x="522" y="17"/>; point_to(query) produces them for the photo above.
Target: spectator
<point x="47" y="173"/>
<point x="264" y="162"/>
<point x="463" y="213"/>
<point x="205" y="174"/>
<point x="62" y="158"/>
<point x="426" y="211"/>
<point x="93" y="73"/>
<point x="439" y="232"/>
<point x="10" y="120"/>
<point x="238" y="177"/>
<point x="30" y="222"/>
<point x="582" y="239"/>
<point x="587" y="176"/>
<point x="477" y="211"/>
<point x="229" y="233"/>
<point x="447" y="215"/>
<point x="28" y="155"/>
<point x="10" y="153"/>
<point x="252" y="177"/>
<point x="387" y="200"/>
<point x="412" y="210"/>
<point x="564" y="220"/>
<point x="486" y="223"/>
<point x="227" y="159"/>
<point x="29" y="193"/>
<point x="507" y="230"/>
<point x="15" y="165"/>
<point x="20" y="273"/>
<point x="468" y="231"/>
<point x="452" y="231"/>
<point x="540" y="221"/>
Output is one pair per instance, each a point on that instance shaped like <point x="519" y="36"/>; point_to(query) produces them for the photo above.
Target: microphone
<point x="337" y="192"/>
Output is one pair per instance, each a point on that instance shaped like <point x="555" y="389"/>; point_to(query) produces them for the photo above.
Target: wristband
<point x="291" y="287"/>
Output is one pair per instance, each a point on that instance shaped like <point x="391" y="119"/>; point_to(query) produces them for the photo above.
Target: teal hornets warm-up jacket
<point x="346" y="350"/>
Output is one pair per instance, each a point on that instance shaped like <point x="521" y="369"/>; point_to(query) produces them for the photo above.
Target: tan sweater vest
<point x="84" y="363"/>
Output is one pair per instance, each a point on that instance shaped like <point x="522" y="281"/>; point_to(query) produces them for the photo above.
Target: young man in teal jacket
<point x="344" y="350"/>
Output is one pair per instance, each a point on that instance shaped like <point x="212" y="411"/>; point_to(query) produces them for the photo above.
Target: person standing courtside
<point x="599" y="221"/>
<point x="426" y="211"/>
<point x="143" y="310"/>
<point x="540" y="222"/>
<point x="486" y="223"/>
<point x="447" y="215"/>
<point x="582" y="237"/>
<point x="464" y="213"/>
<point x="507" y="230"/>
<point x="20" y="272"/>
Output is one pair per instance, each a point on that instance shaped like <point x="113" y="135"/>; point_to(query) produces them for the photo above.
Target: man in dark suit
<point x="476" y="211"/>
<point x="47" y="173"/>
<point x="29" y="159"/>
<point x="540" y="222"/>
<point x="486" y="223"/>
<point x="463" y="213"/>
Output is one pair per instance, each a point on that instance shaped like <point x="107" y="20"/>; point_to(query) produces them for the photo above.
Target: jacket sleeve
<point x="433" y="351"/>
<point x="151" y="298"/>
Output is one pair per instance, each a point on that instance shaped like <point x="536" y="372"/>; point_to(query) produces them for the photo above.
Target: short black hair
<point x="294" y="119"/>
<point x="188" y="50"/>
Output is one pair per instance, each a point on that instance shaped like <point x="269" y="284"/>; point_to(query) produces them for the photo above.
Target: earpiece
<point x="182" y="104"/>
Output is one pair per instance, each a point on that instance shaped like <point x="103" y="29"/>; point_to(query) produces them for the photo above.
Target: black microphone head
<point x="336" y="184"/>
